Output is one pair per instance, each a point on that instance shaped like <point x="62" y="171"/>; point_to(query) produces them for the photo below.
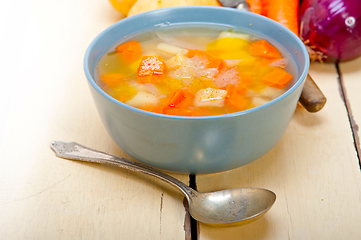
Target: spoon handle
<point x="75" y="151"/>
<point x="312" y="98"/>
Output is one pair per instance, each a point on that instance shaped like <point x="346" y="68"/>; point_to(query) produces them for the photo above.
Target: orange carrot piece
<point x="255" y="6"/>
<point x="151" y="65"/>
<point x="284" y="12"/>
<point x="195" y="52"/>
<point x="151" y="69"/>
<point x="179" y="102"/>
<point x="155" y="109"/>
<point x="211" y="62"/>
<point x="237" y="102"/>
<point x="278" y="78"/>
<point x="177" y="97"/>
<point x="215" y="63"/>
<point x="111" y="78"/>
<point x="131" y="50"/>
<point x="264" y="9"/>
<point x="264" y="49"/>
<point x="234" y="96"/>
<point x="180" y="98"/>
<point x="229" y="89"/>
<point x="188" y="101"/>
<point x="233" y="90"/>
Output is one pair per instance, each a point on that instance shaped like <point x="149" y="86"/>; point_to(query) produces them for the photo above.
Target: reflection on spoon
<point x="222" y="208"/>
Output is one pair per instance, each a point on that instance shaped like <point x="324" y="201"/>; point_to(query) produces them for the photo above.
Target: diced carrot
<point x="211" y="62"/>
<point x="181" y="98"/>
<point x="164" y="101"/>
<point x="188" y="101"/>
<point x="151" y="69"/>
<point x="237" y="102"/>
<point x="179" y="102"/>
<point x="215" y="63"/>
<point x="151" y="65"/>
<point x="131" y="50"/>
<point x="233" y="90"/>
<point x="177" y="97"/>
<point x="278" y="78"/>
<point x="264" y="49"/>
<point x="111" y="78"/>
<point x="155" y="109"/>
<point x="195" y="52"/>
<point x="235" y="96"/>
<point x="229" y="89"/>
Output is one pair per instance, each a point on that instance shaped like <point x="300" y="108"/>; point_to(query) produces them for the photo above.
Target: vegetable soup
<point x="194" y="71"/>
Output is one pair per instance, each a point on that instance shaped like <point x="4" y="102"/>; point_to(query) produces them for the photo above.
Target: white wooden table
<point x="314" y="169"/>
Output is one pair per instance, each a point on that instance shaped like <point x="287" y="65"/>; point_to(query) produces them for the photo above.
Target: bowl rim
<point x="294" y="37"/>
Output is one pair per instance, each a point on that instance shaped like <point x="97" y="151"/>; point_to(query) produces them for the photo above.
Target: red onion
<point x="331" y="29"/>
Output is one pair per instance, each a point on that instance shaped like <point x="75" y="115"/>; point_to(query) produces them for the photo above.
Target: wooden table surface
<point x="314" y="169"/>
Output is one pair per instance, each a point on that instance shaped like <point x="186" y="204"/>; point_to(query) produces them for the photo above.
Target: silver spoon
<point x="227" y="207"/>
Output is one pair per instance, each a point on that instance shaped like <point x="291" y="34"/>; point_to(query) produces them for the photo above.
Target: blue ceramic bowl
<point x="198" y="145"/>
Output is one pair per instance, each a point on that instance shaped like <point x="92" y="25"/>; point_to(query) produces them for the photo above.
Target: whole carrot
<point x="255" y="6"/>
<point x="284" y="12"/>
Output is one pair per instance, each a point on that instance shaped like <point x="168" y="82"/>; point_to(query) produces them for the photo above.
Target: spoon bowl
<point x="231" y="206"/>
<point x="221" y="208"/>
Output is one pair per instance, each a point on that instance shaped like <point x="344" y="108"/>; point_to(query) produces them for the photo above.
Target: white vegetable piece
<point x="231" y="63"/>
<point x="143" y="99"/>
<point x="150" y="87"/>
<point x="266" y="95"/>
<point x="175" y="61"/>
<point x="191" y="68"/>
<point x="227" y="34"/>
<point x="282" y="63"/>
<point x="171" y="49"/>
<point x="210" y="97"/>
<point x="257" y="101"/>
<point x="149" y="53"/>
<point x="271" y="92"/>
<point x="230" y="76"/>
<point x="182" y="42"/>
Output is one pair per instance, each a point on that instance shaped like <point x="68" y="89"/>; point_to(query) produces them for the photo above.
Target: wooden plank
<point x="351" y="82"/>
<point x="46" y="98"/>
<point x="313" y="170"/>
